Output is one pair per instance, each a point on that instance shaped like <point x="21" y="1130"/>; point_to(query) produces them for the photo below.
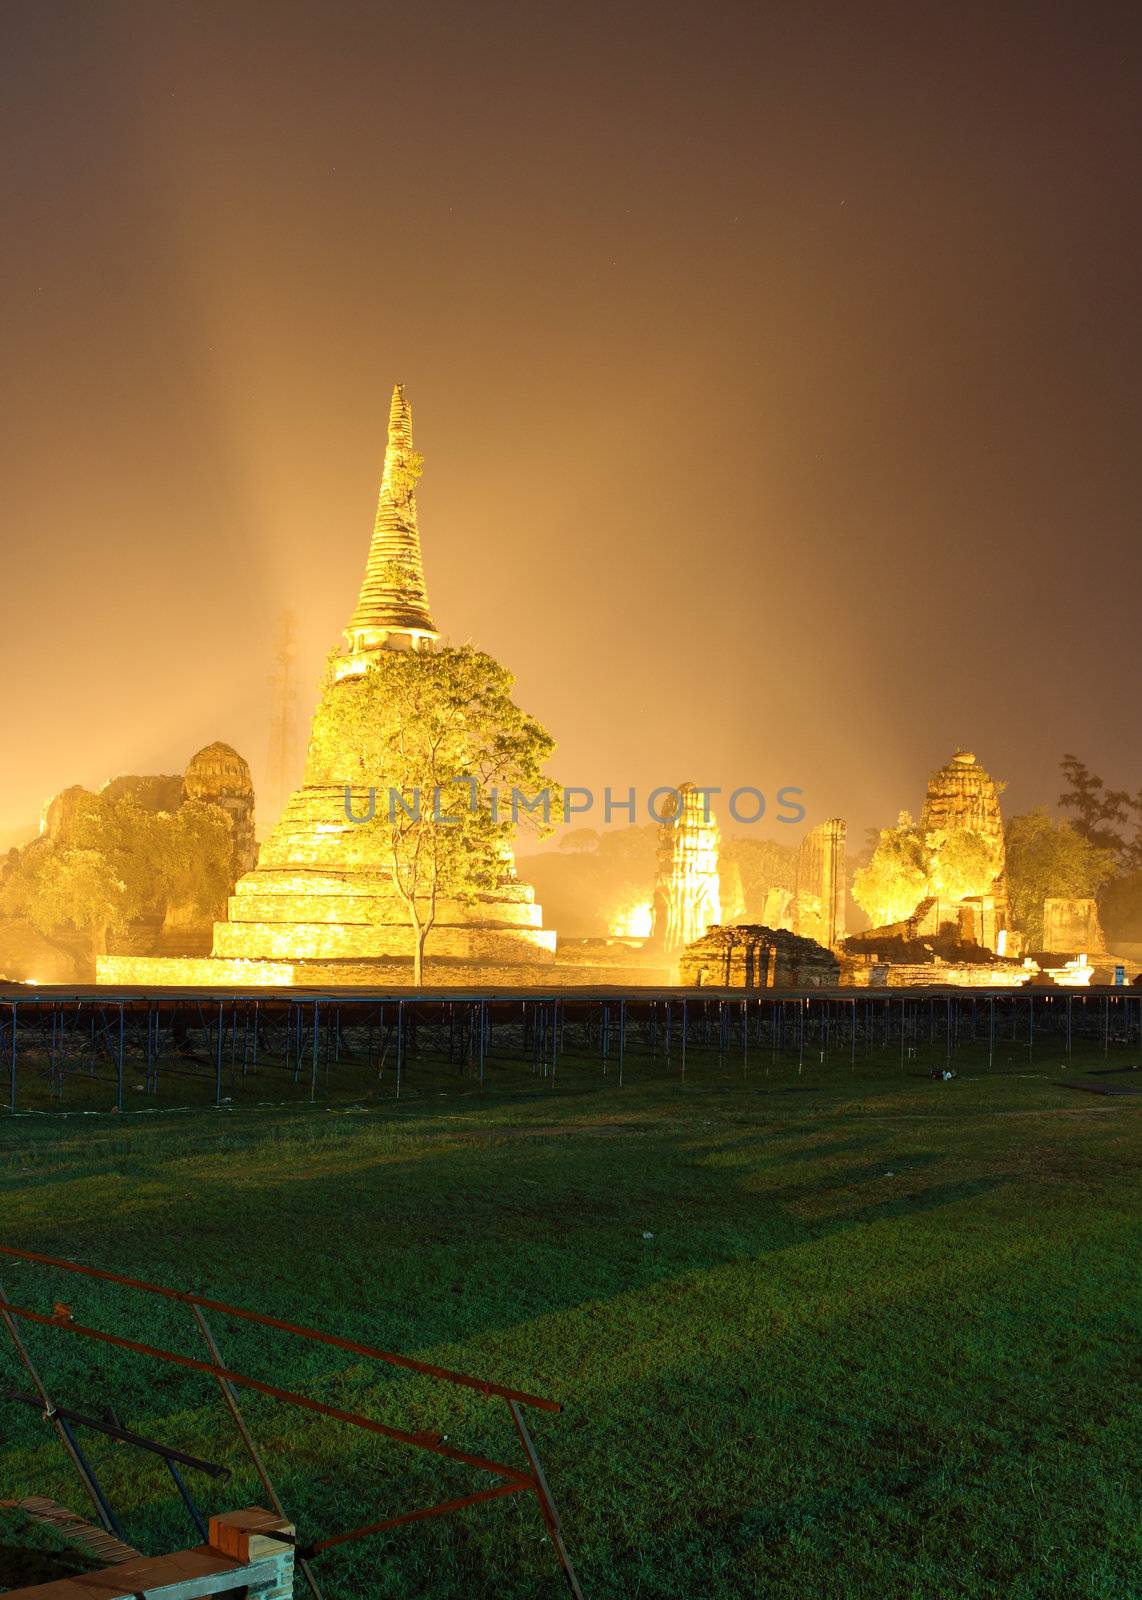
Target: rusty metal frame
<point x="517" y="1480"/>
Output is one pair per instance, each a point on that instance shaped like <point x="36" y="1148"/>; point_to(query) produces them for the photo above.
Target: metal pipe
<point x="91" y="1487"/>
<point x="226" y="1388"/>
<point x="546" y="1503"/>
<point x="301" y="1332"/>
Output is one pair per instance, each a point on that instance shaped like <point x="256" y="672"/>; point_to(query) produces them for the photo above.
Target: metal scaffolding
<point x="105" y="1050"/>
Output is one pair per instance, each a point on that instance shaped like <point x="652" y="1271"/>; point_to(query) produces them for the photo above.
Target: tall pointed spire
<point x="392" y="609"/>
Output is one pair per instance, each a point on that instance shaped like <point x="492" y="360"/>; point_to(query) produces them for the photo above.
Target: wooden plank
<point x="96" y="1541"/>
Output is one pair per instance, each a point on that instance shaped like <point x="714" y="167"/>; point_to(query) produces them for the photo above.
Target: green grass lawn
<point x="882" y="1340"/>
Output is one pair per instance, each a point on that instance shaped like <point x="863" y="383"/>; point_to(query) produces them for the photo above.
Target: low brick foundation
<point x="170" y="972"/>
<point x="867" y="974"/>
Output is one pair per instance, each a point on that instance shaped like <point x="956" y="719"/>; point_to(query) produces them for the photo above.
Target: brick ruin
<point x="1072" y="926"/>
<point x="218" y="775"/>
<point x="687" y="894"/>
<point x="753" y="957"/>
<point x="215" y="775"/>
<point x="822" y="884"/>
<point x="963" y="795"/>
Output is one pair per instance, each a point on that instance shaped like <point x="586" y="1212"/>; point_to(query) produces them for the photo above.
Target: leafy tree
<point x="961" y="862"/>
<point x="1120" y="907"/>
<point x="117" y="861"/>
<point x="580" y="842"/>
<point x="630" y="852"/>
<point x="436" y="742"/>
<point x="584" y="889"/>
<point x="896" y="878"/>
<point x="1099" y="812"/>
<point x="63" y="888"/>
<point x="1048" y="858"/>
<point x="764" y="865"/>
<point x="731" y="891"/>
<point x="405" y="473"/>
<point x="191" y="857"/>
<point x="1131" y="857"/>
<point x="864" y="855"/>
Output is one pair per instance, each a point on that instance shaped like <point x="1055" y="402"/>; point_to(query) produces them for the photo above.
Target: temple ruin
<point x="218" y="775"/>
<point x="321" y="904"/>
<point x="751" y="957"/>
<point x="1072" y="927"/>
<point x="822" y="884"/>
<point x="687" y="897"/>
<point x="963" y="797"/>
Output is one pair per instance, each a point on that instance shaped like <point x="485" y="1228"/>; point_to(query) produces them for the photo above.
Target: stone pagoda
<point x="964" y="795"/>
<point x="321" y="905"/>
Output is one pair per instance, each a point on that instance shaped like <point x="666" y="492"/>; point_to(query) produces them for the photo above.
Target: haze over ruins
<point x="340" y="894"/>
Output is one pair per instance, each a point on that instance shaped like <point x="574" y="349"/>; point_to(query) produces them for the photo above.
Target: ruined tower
<point x="686" y="892"/>
<point x="963" y="796"/>
<point x="218" y="775"/>
<point x="819" y="904"/>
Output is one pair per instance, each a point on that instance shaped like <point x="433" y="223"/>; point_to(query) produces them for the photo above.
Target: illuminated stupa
<point x="321" y="905"/>
<point x="392" y="610"/>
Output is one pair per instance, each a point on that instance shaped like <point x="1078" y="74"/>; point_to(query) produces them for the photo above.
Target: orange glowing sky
<point x="776" y="371"/>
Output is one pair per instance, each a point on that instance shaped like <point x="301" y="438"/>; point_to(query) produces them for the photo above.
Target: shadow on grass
<point x="416" y="1246"/>
<point x="911" y="1203"/>
<point x="748" y="1400"/>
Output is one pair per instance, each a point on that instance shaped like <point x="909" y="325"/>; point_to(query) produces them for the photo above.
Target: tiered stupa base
<point x="321" y="908"/>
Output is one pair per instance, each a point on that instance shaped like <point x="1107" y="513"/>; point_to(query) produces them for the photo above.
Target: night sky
<point x="778" y="371"/>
